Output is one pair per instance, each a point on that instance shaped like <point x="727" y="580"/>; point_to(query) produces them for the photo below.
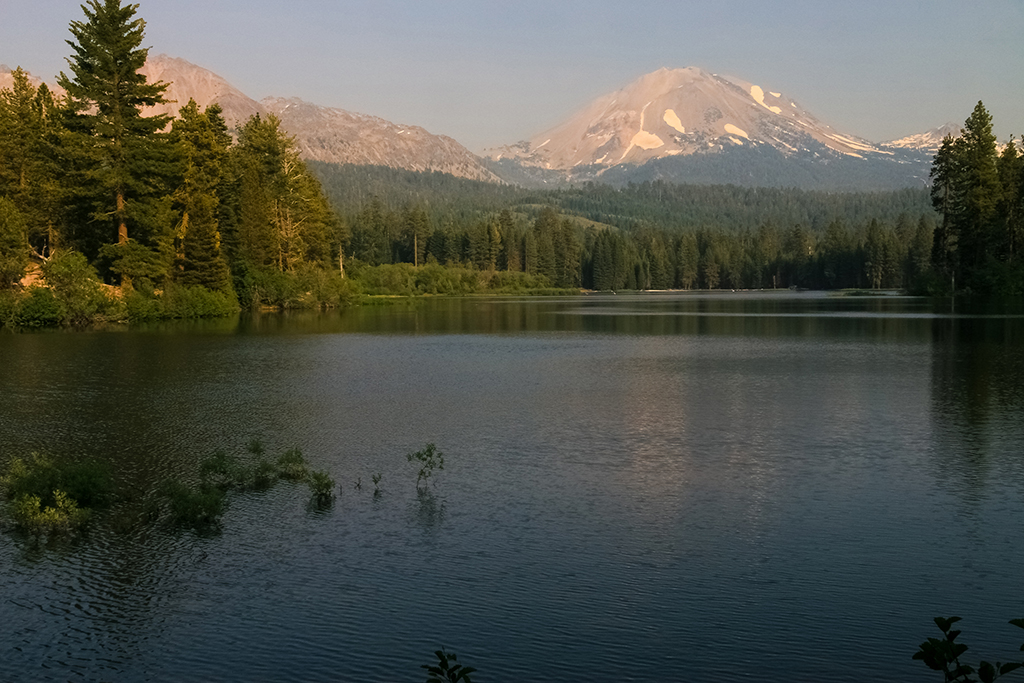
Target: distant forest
<point x="647" y="236"/>
<point x="189" y="218"/>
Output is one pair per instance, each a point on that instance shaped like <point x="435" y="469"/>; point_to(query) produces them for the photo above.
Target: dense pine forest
<point x="106" y="213"/>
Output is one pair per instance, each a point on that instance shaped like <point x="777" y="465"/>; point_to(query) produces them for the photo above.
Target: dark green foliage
<point x="284" y="220"/>
<point x="31" y="138"/>
<point x="179" y="302"/>
<point x="292" y="465"/>
<point x="38" y="308"/>
<point x="306" y="287"/>
<point x="322" y="487"/>
<point x="87" y="482"/>
<point x="447" y="669"/>
<point x="77" y="290"/>
<point x="199" y="508"/>
<point x="14" y="249"/>
<point x="46" y="497"/>
<point x="142" y="266"/>
<point x="428" y="459"/>
<point x="977" y="194"/>
<point x="943" y="654"/>
<point x="203" y="141"/>
<point x="123" y="161"/>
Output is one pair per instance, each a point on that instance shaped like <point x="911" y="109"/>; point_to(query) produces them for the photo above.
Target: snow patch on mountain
<point x="734" y="130"/>
<point x="672" y="119"/>
<point x="758" y="94"/>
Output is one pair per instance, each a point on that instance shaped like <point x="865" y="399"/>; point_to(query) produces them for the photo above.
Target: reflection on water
<point x="649" y="480"/>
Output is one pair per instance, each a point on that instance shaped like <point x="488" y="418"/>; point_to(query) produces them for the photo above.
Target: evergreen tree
<point x="30" y="138"/>
<point x="284" y="220"/>
<point x="124" y="161"/>
<point x="416" y="232"/>
<point x="203" y="141"/>
<point x="945" y="175"/>
<point x="688" y="261"/>
<point x="980" y="190"/>
<point x="1010" y="210"/>
<point x="14" y="250"/>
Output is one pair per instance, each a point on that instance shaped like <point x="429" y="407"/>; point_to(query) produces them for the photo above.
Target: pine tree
<point x="31" y="135"/>
<point x="980" y="191"/>
<point x="688" y="261"/>
<point x="203" y="141"/>
<point x="14" y="251"/>
<point x="284" y="219"/>
<point x="124" y="160"/>
<point x="1011" y="208"/>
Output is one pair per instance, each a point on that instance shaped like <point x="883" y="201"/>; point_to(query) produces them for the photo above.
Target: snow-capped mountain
<point x="689" y="125"/>
<point x="681" y="112"/>
<point x="929" y="141"/>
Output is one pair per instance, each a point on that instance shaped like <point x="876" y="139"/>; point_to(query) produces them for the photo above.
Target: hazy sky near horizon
<point x="493" y="73"/>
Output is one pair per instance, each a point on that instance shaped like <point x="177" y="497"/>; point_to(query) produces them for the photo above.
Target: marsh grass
<point x="47" y="497"/>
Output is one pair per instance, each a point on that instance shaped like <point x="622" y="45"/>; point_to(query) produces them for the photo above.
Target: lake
<point x="659" y="487"/>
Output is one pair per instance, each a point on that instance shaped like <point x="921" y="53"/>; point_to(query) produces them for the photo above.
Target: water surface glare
<point x="665" y="487"/>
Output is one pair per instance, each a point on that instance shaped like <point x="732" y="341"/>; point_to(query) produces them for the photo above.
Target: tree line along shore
<point x="110" y="214"/>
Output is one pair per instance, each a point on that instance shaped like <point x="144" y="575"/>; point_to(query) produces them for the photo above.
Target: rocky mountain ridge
<point x="321" y="133"/>
<point x="683" y="125"/>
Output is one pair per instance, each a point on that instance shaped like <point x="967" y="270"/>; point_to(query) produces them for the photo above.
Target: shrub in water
<point x="429" y="459"/>
<point x="264" y="474"/>
<point x="198" y="509"/>
<point x="224" y="471"/>
<point x="292" y="465"/>
<point x="88" y="484"/>
<point x="63" y="517"/>
<point x="322" y="487"/>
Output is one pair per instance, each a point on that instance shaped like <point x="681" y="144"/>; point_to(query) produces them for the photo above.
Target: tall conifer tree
<point x="125" y="160"/>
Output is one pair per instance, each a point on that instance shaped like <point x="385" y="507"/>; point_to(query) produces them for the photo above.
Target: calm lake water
<point x="664" y="487"/>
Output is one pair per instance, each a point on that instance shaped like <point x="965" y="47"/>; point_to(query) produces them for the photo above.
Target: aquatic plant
<point x="63" y="517"/>
<point x="322" y="487"/>
<point x="429" y="459"/>
<point x="88" y="483"/>
<point x="447" y="670"/>
<point x="291" y="465"/>
<point x="197" y="508"/>
<point x="224" y="471"/>
<point x="943" y="654"/>
<point x="264" y="474"/>
<point x="48" y="497"/>
<point x="377" y="478"/>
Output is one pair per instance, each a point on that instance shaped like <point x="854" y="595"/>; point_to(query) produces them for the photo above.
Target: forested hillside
<point x="188" y="218"/>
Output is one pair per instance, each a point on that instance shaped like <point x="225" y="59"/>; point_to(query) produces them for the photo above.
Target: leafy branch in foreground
<point x="943" y="654"/>
<point x="447" y="670"/>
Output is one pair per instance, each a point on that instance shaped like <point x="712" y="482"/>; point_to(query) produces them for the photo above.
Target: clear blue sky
<point x="491" y="73"/>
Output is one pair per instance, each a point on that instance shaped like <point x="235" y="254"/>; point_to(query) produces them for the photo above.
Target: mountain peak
<point x="681" y="111"/>
<point x="929" y="141"/>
